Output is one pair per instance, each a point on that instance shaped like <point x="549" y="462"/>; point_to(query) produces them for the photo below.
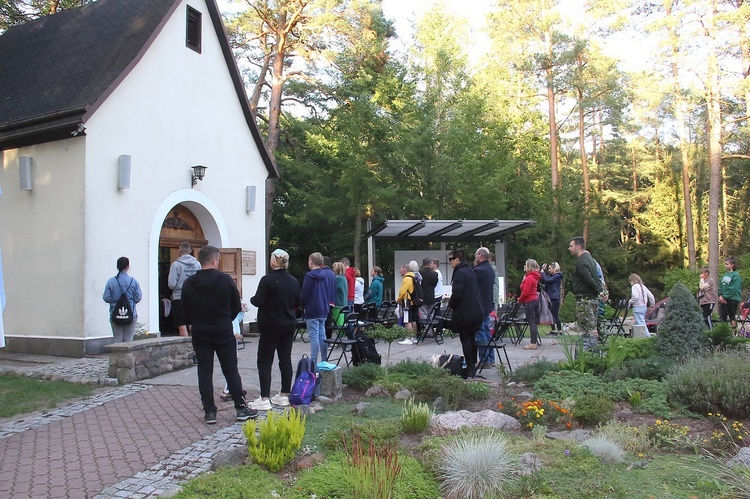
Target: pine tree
<point x="681" y="333"/>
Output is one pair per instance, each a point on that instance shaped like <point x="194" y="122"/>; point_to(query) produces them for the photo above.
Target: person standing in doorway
<point x="277" y="299"/>
<point x="707" y="296"/>
<point x="182" y="268"/>
<point x="586" y="289"/>
<point x="210" y="301"/>
<point x="315" y="299"/>
<point x="486" y="282"/>
<point x="467" y="308"/>
<point x="116" y="286"/>
<point x="730" y="292"/>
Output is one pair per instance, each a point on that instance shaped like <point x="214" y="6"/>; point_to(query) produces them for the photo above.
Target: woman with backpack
<point x="122" y="315"/>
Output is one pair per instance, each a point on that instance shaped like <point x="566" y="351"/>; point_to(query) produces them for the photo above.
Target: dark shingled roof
<point x="57" y="70"/>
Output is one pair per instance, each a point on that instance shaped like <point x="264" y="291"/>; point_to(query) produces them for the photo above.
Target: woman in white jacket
<point x="640" y="299"/>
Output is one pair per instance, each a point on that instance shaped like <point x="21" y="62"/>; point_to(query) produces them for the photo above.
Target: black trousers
<point x="708" y="309"/>
<point x="275" y="343"/>
<point x="469" y="347"/>
<point x="728" y="310"/>
<point x="554" y="308"/>
<point x="532" y="319"/>
<point x="225" y="347"/>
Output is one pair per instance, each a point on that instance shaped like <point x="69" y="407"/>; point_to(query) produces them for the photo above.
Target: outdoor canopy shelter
<point x="444" y="231"/>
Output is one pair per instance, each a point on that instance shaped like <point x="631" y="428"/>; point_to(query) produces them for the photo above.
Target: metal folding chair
<point x="430" y="325"/>
<point x="495" y="343"/>
<point x="343" y="338"/>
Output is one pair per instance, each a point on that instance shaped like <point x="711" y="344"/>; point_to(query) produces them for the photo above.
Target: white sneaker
<point x="260" y="405"/>
<point x="407" y="341"/>
<point x="280" y="400"/>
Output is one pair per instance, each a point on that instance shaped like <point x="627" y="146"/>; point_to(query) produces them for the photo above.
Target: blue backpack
<point x="306" y="385"/>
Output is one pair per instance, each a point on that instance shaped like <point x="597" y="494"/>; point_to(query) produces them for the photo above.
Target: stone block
<point x="331" y="385"/>
<point x="142" y="356"/>
<point x="126" y="376"/>
<point x="126" y="361"/>
<point x="141" y="372"/>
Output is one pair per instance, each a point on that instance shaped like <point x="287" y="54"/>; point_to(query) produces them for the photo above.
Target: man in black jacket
<point x="210" y="301"/>
<point x="429" y="281"/>
<point x="467" y="308"/>
<point x="486" y="280"/>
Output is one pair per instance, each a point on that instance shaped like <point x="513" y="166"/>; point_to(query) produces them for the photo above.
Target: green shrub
<point x="279" y="437"/>
<point x="689" y="278"/>
<point x="714" y="383"/>
<point x="630" y="438"/>
<point x="476" y="390"/>
<point x="605" y="449"/>
<point x="653" y="368"/>
<point x="416" y="417"/>
<point x="681" y="332"/>
<point x="593" y="409"/>
<point x="568" y="384"/>
<point x="372" y="469"/>
<point x="568" y="308"/>
<point x="379" y="431"/>
<point x="722" y="337"/>
<point x="640" y="348"/>
<point x="362" y="376"/>
<point x="412" y="368"/>
<point x="531" y="372"/>
<point x="477" y="466"/>
<point x="439" y="383"/>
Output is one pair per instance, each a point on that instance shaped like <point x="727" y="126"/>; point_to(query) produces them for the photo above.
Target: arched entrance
<point x="180" y="225"/>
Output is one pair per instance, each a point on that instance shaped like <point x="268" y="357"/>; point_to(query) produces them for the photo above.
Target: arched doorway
<point x="179" y="225"/>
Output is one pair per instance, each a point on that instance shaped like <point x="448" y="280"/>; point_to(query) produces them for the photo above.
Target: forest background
<point x="542" y="120"/>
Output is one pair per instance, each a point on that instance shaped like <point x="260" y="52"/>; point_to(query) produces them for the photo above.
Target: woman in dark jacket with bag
<point x="552" y="284"/>
<point x="277" y="299"/>
<point x="467" y="308"/>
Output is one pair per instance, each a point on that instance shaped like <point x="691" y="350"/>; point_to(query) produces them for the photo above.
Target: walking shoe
<point x="260" y="405"/>
<point x="228" y="396"/>
<point x="552" y="333"/>
<point x="245" y="413"/>
<point x="531" y="346"/>
<point x="210" y="417"/>
<point x="280" y="400"/>
<point x="407" y="341"/>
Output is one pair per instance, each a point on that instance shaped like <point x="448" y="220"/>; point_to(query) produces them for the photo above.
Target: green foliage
<point x="332" y="479"/>
<point x="477" y="466"/>
<point x="689" y="278"/>
<point x="655" y="368"/>
<point x="719" y="382"/>
<point x="593" y="409"/>
<point x="232" y="482"/>
<point x="531" y="372"/>
<point x="416" y="417"/>
<point x="279" y="437"/>
<point x="476" y="390"/>
<point x="19" y="395"/>
<point x="681" y="332"/>
<point x="722" y="337"/>
<point x="631" y="438"/>
<point x="387" y="334"/>
<point x="665" y="435"/>
<point x="362" y="376"/>
<point x="412" y="368"/>
<point x="440" y="383"/>
<point x="568" y="308"/>
<point x="378" y="431"/>
<point x="372" y="469"/>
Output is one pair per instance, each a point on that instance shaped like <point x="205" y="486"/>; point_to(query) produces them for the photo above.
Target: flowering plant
<point x="540" y="412"/>
<point x="729" y="437"/>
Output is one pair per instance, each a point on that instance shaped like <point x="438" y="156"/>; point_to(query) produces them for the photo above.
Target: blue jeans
<point x="483" y="336"/>
<point x="316" y="328"/>
<point x="639" y="316"/>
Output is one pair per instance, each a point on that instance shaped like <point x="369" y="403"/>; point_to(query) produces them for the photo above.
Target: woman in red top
<point x="529" y="297"/>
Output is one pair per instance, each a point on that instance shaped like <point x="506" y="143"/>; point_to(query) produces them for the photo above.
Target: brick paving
<point x="80" y="455"/>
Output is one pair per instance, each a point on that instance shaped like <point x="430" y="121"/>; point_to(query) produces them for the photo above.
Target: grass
<point x="19" y="395"/>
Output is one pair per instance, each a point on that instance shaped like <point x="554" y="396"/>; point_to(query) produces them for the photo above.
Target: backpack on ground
<point x="122" y="315"/>
<point x="416" y="296"/>
<point x="364" y="351"/>
<point x="307" y="384"/>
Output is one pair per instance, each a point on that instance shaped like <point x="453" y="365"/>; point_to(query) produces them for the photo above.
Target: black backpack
<point x="364" y="351"/>
<point x="417" y="296"/>
<point x="122" y="315"/>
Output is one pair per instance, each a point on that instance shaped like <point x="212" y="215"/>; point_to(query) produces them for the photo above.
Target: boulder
<point x="451" y="422"/>
<point x="742" y="457"/>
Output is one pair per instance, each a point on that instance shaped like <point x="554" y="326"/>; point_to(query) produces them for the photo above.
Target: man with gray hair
<point x="486" y="282"/>
<point x="182" y="268"/>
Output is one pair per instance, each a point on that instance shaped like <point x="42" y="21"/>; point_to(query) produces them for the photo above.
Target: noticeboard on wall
<point x="249" y="262"/>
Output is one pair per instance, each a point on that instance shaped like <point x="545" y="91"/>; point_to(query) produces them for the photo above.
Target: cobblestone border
<point x="86" y="371"/>
<point x="22" y="425"/>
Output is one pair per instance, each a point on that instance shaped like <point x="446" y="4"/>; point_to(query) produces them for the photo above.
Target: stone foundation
<point x="136" y="360"/>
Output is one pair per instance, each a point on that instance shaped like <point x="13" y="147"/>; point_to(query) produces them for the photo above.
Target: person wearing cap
<point x="277" y="299"/>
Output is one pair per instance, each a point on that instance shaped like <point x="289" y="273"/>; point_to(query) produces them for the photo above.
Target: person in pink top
<point x="529" y="297"/>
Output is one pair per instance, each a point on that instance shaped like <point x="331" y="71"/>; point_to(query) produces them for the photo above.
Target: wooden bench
<point x="132" y="361"/>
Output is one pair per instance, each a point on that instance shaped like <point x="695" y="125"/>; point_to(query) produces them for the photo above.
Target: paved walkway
<point x="143" y="440"/>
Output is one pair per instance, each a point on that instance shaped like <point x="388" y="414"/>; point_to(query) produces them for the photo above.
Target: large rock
<point x="331" y="385"/>
<point x="451" y="422"/>
<point x="743" y="457"/>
